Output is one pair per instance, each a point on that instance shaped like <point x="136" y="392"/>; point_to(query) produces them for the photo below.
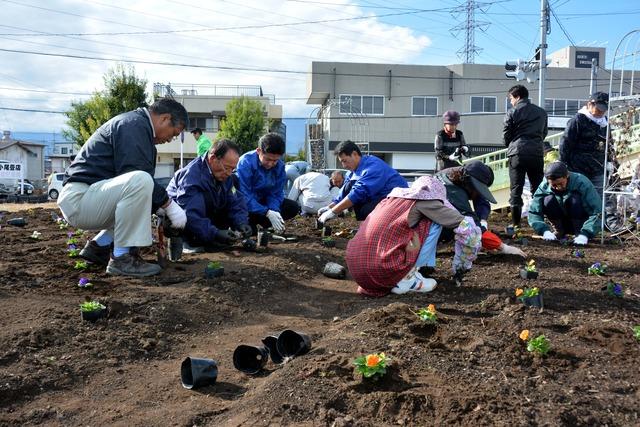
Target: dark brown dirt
<point x="469" y="369"/>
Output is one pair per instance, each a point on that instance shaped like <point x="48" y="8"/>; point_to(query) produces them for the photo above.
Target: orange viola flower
<point x="519" y="292"/>
<point x="524" y="335"/>
<point x="373" y="360"/>
<point x="431" y="308"/>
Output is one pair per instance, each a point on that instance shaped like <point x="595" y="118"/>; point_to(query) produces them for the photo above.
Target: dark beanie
<point x="556" y="170"/>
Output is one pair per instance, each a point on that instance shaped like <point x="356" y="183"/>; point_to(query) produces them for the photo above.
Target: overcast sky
<point x="214" y="33"/>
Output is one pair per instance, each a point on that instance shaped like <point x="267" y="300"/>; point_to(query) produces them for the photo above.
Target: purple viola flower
<point x="84" y="282"/>
<point x="617" y="289"/>
<point x="596" y="265"/>
<point x="72" y="247"/>
<point x="69" y="234"/>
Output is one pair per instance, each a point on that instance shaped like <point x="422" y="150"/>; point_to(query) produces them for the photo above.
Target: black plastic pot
<point x="271" y="343"/>
<point x="17" y="222"/>
<point x="291" y="343"/>
<point x="250" y="359"/>
<point x="334" y="271"/>
<point x="528" y="274"/>
<point x="326" y="231"/>
<point x="195" y="372"/>
<point x="263" y="238"/>
<point x="92" y="316"/>
<point x="510" y="231"/>
<point x="211" y="273"/>
<point x="175" y="248"/>
<point x="249" y="244"/>
<point x="319" y="225"/>
<point x="535" y="301"/>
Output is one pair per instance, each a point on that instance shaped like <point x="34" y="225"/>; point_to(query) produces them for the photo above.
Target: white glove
<point x="484" y="223"/>
<point x="511" y="250"/>
<point x="453" y="157"/>
<point x="177" y="216"/>
<point x="326" y="216"/>
<point x="323" y="210"/>
<point x="549" y="236"/>
<point x="276" y="220"/>
<point x="464" y="149"/>
<point x="581" y="239"/>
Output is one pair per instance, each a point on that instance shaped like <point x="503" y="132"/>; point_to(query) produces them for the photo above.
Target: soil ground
<point x="469" y="369"/>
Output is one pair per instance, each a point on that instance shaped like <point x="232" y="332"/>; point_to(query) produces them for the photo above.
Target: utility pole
<point x="593" y="84"/>
<point x="544" y="30"/>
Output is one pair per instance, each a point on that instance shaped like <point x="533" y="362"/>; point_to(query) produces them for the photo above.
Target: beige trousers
<point x="121" y="205"/>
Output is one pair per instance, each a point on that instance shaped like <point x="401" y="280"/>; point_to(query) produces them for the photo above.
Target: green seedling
<point x="80" y="265"/>
<point x="636" y="332"/>
<point x="525" y="293"/>
<point x="597" y="269"/>
<point x="539" y="345"/>
<point x="36" y="235"/>
<point x="372" y="365"/>
<point x="90" y="306"/>
<point x="214" y="265"/>
<point x="428" y="314"/>
<point x="530" y="266"/>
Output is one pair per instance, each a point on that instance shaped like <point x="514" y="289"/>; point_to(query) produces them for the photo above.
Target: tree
<point x="123" y="92"/>
<point x="244" y="122"/>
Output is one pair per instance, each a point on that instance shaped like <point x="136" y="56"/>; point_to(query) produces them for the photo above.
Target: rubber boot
<point x="516" y="214"/>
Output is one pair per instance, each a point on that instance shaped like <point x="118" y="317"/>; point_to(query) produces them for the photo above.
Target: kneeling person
<point x="216" y="211"/>
<point x="569" y="201"/>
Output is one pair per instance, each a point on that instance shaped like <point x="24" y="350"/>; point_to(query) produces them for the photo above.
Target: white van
<point x="55" y="188"/>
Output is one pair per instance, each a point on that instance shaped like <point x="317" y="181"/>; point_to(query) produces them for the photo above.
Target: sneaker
<point x="415" y="283"/>
<point x="188" y="249"/>
<point x="95" y="253"/>
<point x="131" y="265"/>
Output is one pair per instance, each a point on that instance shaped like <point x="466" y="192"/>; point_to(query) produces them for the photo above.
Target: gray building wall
<point x="406" y="141"/>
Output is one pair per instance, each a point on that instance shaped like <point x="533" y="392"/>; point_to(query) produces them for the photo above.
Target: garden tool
<point x="157" y="233"/>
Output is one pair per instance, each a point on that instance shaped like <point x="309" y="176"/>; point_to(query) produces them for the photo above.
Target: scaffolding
<point x="623" y="135"/>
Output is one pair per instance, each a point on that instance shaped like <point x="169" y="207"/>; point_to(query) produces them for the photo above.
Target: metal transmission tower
<point x="469" y="51"/>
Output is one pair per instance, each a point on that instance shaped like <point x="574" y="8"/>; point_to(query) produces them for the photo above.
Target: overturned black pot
<point x="271" y="343"/>
<point x="17" y="222"/>
<point x="195" y="372"/>
<point x="534" y="301"/>
<point x="250" y="359"/>
<point x="263" y="238"/>
<point x="528" y="274"/>
<point x="291" y="343"/>
<point x="92" y="316"/>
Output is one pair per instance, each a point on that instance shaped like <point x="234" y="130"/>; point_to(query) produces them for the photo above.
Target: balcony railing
<point x="183" y="89"/>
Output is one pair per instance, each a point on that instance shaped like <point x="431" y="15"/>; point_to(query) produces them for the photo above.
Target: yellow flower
<point x="431" y="308"/>
<point x="531" y="263"/>
<point x="372" y="360"/>
<point x="519" y="292"/>
<point x="524" y="335"/>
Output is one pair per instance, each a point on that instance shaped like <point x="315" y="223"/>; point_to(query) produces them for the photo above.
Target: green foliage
<point x="123" y="92"/>
<point x="372" y="365"/>
<point x="73" y="253"/>
<point x="525" y="293"/>
<point x="530" y="266"/>
<point x="636" y="332"/>
<point x="80" y="265"/>
<point x="597" y="269"/>
<point x="89" y="306"/>
<point x="539" y="345"/>
<point x="428" y="314"/>
<point x="245" y="123"/>
<point x="214" y="265"/>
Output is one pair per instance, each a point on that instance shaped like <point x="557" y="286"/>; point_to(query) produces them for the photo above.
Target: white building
<point x="30" y="154"/>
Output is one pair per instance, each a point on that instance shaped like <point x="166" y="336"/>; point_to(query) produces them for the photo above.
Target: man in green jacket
<point x="569" y="201"/>
<point x="203" y="143"/>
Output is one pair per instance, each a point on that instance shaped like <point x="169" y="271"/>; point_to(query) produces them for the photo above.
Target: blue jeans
<point x="427" y="255"/>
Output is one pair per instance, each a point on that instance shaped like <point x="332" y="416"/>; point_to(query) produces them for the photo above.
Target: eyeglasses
<point x="227" y="170"/>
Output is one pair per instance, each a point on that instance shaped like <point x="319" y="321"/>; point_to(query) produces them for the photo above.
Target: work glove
<point x="276" y="221"/>
<point x="326" y="216"/>
<point x="549" y="236"/>
<point x="176" y="215"/>
<point x="464" y="150"/>
<point x="510" y="250"/>
<point x="581" y="239"/>
<point x="245" y="229"/>
<point x="454" y="156"/>
<point x="484" y="224"/>
<point x="226" y="237"/>
<point x="323" y="210"/>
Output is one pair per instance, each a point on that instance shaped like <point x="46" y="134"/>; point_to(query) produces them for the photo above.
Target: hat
<point x="556" y="170"/>
<point x="197" y="130"/>
<point x="601" y="100"/>
<point x="481" y="177"/>
<point x="451" y="117"/>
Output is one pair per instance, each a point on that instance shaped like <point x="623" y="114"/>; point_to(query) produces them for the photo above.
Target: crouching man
<point x="109" y="186"/>
<point x="205" y="188"/>
<point x="569" y="201"/>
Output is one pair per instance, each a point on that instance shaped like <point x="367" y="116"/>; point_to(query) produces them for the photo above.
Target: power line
<point x="562" y="27"/>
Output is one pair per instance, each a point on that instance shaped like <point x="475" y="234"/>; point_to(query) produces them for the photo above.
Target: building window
<point x="483" y="104"/>
<point x="204" y="123"/>
<point x="367" y="104"/>
<point x="424" y="106"/>
<point x="563" y="107"/>
<point x="63" y="150"/>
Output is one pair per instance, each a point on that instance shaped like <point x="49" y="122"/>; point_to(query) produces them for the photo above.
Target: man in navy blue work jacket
<point x="368" y="181"/>
<point x="216" y="210"/>
<point x="262" y="178"/>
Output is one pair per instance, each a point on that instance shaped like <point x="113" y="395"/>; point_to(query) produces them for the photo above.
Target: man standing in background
<point x="203" y="143"/>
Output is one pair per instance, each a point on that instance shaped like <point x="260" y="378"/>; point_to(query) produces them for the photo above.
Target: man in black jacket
<point x="109" y="186"/>
<point x="525" y="128"/>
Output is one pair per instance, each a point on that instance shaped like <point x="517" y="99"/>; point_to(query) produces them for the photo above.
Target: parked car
<point x="56" y="186"/>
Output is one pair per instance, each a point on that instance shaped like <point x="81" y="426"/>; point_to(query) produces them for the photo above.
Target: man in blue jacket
<point x="216" y="210"/>
<point x="262" y="179"/>
<point x="368" y="181"/>
<point x="569" y="201"/>
<point x="206" y="190"/>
